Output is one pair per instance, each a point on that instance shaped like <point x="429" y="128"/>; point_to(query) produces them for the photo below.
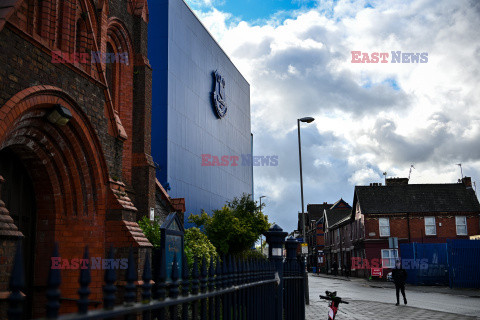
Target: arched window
<point x="119" y="74"/>
<point x="39" y="16"/>
<point x="81" y="37"/>
<point x="112" y="74"/>
<point x="83" y="44"/>
<point x="43" y="17"/>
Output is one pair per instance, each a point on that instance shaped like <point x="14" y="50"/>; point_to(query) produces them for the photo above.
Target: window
<point x="80" y="38"/>
<point x="112" y="75"/>
<point x="384" y="224"/>
<point x="430" y="227"/>
<point x="389" y="257"/>
<point x="461" y="223"/>
<point x="42" y="17"/>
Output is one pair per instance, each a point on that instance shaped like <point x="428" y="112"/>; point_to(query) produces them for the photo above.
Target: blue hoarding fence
<point x="455" y="263"/>
<point x="464" y="263"/>
<point x="427" y="263"/>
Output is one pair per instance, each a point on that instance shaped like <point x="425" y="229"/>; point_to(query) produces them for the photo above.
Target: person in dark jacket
<point x="335" y="268"/>
<point x="399" y="276"/>
<point x="348" y="268"/>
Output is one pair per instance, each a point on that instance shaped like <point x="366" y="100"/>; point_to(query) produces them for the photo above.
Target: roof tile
<point x="417" y="198"/>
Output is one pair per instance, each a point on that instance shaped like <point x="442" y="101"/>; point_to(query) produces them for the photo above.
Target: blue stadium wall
<point x="184" y="124"/>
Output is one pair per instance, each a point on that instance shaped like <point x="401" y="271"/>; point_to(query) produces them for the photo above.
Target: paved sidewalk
<point x="367" y="310"/>
<point x="384" y="284"/>
<point x="323" y="275"/>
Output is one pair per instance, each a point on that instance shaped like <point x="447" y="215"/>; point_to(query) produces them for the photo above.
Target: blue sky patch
<point x="254" y="10"/>
<point x="392" y="83"/>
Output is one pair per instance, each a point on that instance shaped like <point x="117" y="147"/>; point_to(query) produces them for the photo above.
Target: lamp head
<point x="307" y="119"/>
<point x="59" y="115"/>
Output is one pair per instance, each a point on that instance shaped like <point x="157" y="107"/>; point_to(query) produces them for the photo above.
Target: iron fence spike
<point x="53" y="283"/>
<point x="84" y="280"/>
<point x="109" y="289"/>
<point x="16" y="285"/>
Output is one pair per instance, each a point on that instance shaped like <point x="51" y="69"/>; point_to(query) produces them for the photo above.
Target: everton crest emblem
<point x="218" y="95"/>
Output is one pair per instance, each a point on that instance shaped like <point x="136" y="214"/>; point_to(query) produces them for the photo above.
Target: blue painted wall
<point x="184" y="125"/>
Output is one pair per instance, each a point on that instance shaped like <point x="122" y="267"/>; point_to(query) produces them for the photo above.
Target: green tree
<point x="198" y="246"/>
<point x="234" y="228"/>
<point x="196" y="243"/>
<point x="152" y="232"/>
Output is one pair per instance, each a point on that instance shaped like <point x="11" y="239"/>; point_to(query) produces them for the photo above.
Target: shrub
<point x="198" y="246"/>
<point x="151" y="229"/>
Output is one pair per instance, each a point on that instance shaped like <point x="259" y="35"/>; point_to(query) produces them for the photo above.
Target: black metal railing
<point x="229" y="289"/>
<point x="223" y="289"/>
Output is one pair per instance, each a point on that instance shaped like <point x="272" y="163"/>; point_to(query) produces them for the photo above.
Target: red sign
<point x="377" y="272"/>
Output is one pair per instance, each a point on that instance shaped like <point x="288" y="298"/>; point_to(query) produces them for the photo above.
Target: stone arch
<point x="118" y="33"/>
<point x="69" y="175"/>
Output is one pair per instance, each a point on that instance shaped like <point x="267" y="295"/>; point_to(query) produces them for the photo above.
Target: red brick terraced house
<point x="422" y="213"/>
<point x="75" y="145"/>
<point x="314" y="214"/>
<point x="336" y="227"/>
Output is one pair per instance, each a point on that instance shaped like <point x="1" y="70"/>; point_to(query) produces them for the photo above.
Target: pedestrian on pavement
<point x="348" y="269"/>
<point x="335" y="268"/>
<point x="399" y="276"/>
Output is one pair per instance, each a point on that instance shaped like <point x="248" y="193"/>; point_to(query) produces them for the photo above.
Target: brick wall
<point x="320" y="235"/>
<point x="25" y="65"/>
<point x="399" y="225"/>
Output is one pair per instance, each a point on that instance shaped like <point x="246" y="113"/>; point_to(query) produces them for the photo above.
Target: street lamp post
<point x="307" y="120"/>
<point x="261" y="202"/>
<point x="261" y="237"/>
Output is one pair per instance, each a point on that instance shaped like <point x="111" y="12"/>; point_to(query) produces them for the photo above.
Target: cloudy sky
<point x="369" y="117"/>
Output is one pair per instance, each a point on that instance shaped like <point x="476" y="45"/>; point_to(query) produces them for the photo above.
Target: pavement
<point x="385" y="284"/>
<point x="375" y="300"/>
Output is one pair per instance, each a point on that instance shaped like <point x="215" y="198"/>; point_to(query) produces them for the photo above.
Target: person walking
<point x="335" y="268"/>
<point x="348" y="269"/>
<point x="399" y="276"/>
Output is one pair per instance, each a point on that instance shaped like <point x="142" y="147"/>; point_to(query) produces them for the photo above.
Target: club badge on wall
<point x="218" y="95"/>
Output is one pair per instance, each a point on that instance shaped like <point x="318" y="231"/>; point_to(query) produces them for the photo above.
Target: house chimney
<point x="375" y="184"/>
<point x="467" y="182"/>
<point x="396" y="182"/>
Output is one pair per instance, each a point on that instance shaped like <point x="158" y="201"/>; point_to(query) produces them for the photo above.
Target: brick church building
<point x="75" y="144"/>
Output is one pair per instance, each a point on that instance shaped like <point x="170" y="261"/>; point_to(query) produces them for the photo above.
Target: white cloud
<point x="363" y="176"/>
<point x="370" y="118"/>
